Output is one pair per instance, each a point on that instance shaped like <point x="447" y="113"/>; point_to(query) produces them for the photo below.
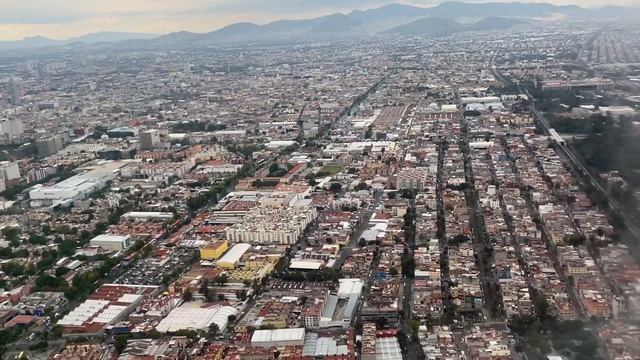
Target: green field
<point x="329" y="170"/>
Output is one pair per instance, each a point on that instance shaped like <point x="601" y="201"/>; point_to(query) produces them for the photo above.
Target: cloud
<point x="67" y="18"/>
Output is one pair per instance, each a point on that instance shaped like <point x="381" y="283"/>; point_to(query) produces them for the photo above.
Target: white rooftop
<point x="265" y="336"/>
<point x="195" y="318"/>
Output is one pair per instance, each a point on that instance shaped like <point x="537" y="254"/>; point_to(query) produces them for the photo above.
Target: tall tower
<point x="15" y="91"/>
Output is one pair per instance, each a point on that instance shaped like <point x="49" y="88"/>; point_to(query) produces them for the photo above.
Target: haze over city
<point x="64" y="19"/>
<point x="305" y="180"/>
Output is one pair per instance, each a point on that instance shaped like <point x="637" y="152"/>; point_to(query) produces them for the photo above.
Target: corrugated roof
<point x="278" y="335"/>
<point x="235" y="253"/>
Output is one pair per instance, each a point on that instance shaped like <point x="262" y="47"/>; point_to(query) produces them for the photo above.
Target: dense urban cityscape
<point x="445" y="195"/>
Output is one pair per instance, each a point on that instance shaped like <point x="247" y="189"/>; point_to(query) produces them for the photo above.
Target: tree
<point x="335" y="187"/>
<point x="459" y="239"/>
<point x="381" y="322"/>
<point x="415" y="325"/>
<point x="13" y="268"/>
<point x="187" y="295"/>
<point x="408" y="265"/>
<point x="11" y="234"/>
<point x="574" y="239"/>
<point x="214" y="330"/>
<point x="241" y="295"/>
<point x="67" y="247"/>
<point x="100" y="228"/>
<point x="273" y="168"/>
<point x="369" y="132"/>
<point x="231" y="319"/>
<point x="121" y="343"/>
<point x="362" y="186"/>
<point x="85" y="236"/>
<point x="221" y="279"/>
<point x="542" y="308"/>
<point x="362" y="242"/>
<point x="60" y="271"/>
<point x="46" y="229"/>
<point x="393" y="271"/>
<point x="36" y="239"/>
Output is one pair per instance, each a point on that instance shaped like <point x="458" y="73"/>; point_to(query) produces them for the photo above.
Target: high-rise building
<point x="149" y="140"/>
<point x="49" y="146"/>
<point x="15" y="91"/>
<point x="9" y="170"/>
<point x="11" y="127"/>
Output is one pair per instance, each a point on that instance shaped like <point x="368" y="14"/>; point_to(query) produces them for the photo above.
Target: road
<point x="575" y="163"/>
<point x="586" y="175"/>
<point x="414" y="349"/>
<point x="363" y="225"/>
<point x="442" y="234"/>
<point x="571" y="291"/>
<point x="509" y="220"/>
<point x="488" y="280"/>
<point x="493" y="68"/>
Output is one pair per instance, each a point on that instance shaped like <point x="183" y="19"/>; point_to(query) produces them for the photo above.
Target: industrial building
<point x="232" y="258"/>
<point x="278" y="337"/>
<point x="77" y="187"/>
<point x="148" y="215"/>
<point x="106" y="306"/>
<point x="196" y="318"/>
<point x="111" y="242"/>
<point x="584" y="84"/>
<point x="339" y="309"/>
<point x="213" y="250"/>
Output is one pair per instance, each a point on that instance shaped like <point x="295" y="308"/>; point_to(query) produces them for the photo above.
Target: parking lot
<point x="151" y="270"/>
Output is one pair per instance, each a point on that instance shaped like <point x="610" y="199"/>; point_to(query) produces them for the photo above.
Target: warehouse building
<point x="196" y="318"/>
<point x="148" y="215"/>
<point x="111" y="242"/>
<point x="232" y="258"/>
<point x="213" y="250"/>
<point x="77" y="187"/>
<point x="278" y="337"/>
<point x="106" y="306"/>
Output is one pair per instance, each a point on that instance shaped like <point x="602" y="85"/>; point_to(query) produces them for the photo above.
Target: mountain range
<point x="439" y="20"/>
<point x="91" y="38"/>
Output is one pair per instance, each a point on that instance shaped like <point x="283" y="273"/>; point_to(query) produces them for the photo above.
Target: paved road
<point x="582" y="170"/>
<point x="357" y="234"/>
<point x="414" y="349"/>
<point x="575" y="162"/>
<point x="488" y="280"/>
<point x="442" y="238"/>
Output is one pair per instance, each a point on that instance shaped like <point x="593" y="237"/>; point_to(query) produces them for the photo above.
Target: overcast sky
<point x="61" y="19"/>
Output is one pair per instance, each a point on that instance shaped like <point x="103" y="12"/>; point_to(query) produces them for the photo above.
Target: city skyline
<point x="71" y="18"/>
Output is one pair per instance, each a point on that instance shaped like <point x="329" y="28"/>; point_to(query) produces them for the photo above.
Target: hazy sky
<point x="60" y="19"/>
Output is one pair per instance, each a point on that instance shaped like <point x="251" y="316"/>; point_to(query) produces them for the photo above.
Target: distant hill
<point x="428" y="26"/>
<point x="453" y="10"/>
<point x="337" y="22"/>
<point x="389" y="11"/>
<point x="110" y="36"/>
<point x="441" y="19"/>
<point x="393" y="18"/>
<point x="494" y="23"/>
<point x="441" y="26"/>
<point x="29" y="42"/>
<point x="92" y="38"/>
